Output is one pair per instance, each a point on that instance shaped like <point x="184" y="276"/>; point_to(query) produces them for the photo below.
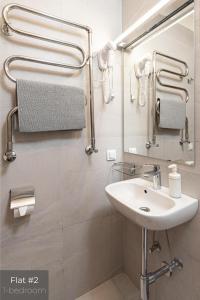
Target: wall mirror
<point x="159" y="89"/>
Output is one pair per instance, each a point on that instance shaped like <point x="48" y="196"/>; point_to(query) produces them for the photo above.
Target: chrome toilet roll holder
<point x="22" y="201"/>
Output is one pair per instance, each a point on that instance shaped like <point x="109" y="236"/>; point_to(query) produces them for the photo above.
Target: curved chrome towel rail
<point x="10" y="155"/>
<point x="13" y="58"/>
<point x="181" y="75"/>
<point x="172" y="86"/>
<point x="8" y="27"/>
<point x="156" y="78"/>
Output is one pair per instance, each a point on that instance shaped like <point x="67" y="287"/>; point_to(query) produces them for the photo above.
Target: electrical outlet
<point x="111" y="154"/>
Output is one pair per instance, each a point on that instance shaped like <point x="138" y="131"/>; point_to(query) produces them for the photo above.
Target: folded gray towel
<point x="49" y="107"/>
<point x="172" y="113"/>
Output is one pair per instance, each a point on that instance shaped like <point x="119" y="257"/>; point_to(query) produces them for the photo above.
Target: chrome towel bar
<point x="172" y="86"/>
<point x="8" y="28"/>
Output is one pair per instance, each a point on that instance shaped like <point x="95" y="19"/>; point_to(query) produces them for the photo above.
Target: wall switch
<point x="111" y="154"/>
<point x="132" y="150"/>
<point x="190" y="146"/>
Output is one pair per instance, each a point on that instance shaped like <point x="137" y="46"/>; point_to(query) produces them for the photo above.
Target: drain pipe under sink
<point x="147" y="278"/>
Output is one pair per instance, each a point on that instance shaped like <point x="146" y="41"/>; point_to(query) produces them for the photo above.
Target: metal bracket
<point x="176" y="263"/>
<point x="155" y="247"/>
<point x="89" y="150"/>
<point x="6" y="30"/>
<point x="149" y="144"/>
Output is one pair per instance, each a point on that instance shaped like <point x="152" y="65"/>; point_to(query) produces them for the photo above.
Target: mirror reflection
<point x="159" y="94"/>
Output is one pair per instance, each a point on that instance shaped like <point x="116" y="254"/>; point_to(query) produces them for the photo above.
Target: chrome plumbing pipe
<point x="166" y="269"/>
<point x="146" y="279"/>
<point x="144" y="284"/>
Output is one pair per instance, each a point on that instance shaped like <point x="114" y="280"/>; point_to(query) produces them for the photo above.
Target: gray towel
<point x="49" y="107"/>
<point x="172" y="114"/>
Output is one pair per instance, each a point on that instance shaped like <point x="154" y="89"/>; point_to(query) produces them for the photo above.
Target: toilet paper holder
<point x="22" y="201"/>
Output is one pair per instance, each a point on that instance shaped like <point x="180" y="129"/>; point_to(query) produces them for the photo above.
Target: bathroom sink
<point x="149" y="208"/>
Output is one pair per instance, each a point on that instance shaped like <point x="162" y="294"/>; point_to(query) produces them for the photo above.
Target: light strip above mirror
<point x="162" y="25"/>
<point x="160" y="31"/>
<point x="107" y="51"/>
<point x="155" y="9"/>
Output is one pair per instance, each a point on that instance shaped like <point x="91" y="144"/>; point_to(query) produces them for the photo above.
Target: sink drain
<point x="144" y="208"/>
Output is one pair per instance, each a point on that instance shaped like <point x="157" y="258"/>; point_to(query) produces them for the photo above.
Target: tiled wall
<point x="185" y="239"/>
<point x="73" y="232"/>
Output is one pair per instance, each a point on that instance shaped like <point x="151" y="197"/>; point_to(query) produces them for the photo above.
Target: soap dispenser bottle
<point x="174" y="182"/>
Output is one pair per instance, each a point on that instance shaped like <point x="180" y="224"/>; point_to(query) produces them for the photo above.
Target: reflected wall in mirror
<point x="159" y="93"/>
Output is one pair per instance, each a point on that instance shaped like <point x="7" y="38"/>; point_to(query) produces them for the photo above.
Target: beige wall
<point x="73" y="232"/>
<point x="185" y="239"/>
<point x="132" y="10"/>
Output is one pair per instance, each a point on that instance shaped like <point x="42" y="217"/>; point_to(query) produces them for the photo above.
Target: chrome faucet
<point x="155" y="174"/>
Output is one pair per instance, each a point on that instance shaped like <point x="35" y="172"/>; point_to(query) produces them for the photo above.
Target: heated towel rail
<point x="8" y="28"/>
<point x="156" y="78"/>
<point x="180" y="75"/>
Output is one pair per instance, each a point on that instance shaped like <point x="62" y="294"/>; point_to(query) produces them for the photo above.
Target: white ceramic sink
<point x="130" y="197"/>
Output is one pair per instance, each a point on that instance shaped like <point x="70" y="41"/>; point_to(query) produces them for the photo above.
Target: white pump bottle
<point x="174" y="182"/>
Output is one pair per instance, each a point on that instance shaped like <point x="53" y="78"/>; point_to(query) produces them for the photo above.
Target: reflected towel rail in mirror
<point x="172" y="86"/>
<point x="181" y="75"/>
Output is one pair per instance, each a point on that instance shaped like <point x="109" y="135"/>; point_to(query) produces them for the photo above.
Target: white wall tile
<point x="72" y="214"/>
